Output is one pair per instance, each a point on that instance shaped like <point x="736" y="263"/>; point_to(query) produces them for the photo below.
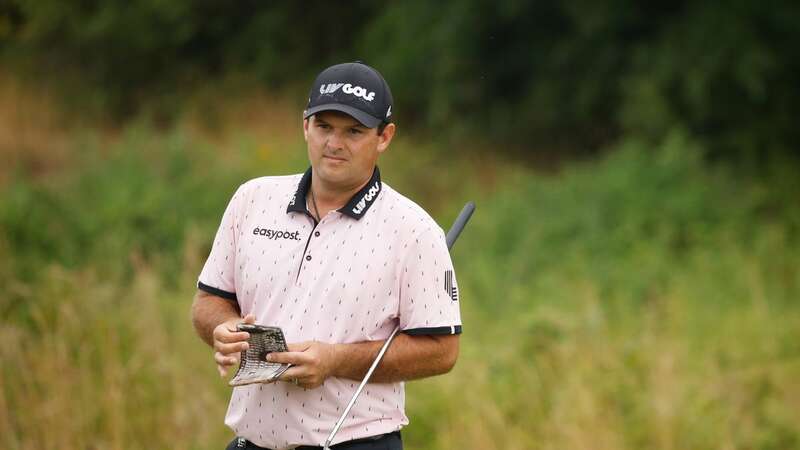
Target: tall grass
<point x="641" y="301"/>
<point x="644" y="301"/>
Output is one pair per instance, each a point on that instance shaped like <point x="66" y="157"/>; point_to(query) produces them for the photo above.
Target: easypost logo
<point x="347" y="88"/>
<point x="275" y="234"/>
<point x="368" y="197"/>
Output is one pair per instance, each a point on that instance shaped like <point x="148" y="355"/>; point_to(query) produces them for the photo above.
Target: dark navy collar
<point x="355" y="208"/>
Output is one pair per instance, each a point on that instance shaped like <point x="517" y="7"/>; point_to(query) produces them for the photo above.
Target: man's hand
<point x="409" y="358"/>
<point x="312" y="362"/>
<point x="229" y="343"/>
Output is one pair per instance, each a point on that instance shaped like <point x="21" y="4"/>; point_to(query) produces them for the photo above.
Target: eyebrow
<point x="356" y="124"/>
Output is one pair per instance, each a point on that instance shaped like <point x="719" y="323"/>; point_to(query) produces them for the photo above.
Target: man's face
<point x="343" y="152"/>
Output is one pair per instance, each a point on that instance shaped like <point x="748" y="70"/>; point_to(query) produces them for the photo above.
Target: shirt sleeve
<point x="218" y="274"/>
<point x="429" y="298"/>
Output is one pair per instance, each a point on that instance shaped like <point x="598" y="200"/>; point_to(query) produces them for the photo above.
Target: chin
<point x="333" y="174"/>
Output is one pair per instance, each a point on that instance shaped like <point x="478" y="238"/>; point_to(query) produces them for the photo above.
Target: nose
<point x="335" y="140"/>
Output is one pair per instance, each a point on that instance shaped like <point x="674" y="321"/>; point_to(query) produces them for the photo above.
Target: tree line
<point x="572" y="75"/>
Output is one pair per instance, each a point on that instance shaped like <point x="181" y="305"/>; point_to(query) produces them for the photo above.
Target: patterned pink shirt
<point x="379" y="261"/>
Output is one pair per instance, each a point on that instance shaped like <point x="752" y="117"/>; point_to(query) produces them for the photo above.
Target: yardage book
<point x="254" y="367"/>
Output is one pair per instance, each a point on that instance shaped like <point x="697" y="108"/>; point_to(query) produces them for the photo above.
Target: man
<point x="337" y="259"/>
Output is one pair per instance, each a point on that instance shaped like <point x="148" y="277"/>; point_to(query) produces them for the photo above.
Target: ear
<point x="385" y="138"/>
<point x="306" y="124"/>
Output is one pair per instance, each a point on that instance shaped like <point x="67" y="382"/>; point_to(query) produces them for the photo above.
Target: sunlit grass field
<point x="642" y="300"/>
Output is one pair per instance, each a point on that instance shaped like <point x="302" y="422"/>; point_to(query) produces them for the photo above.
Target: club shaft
<point x="361" y="387"/>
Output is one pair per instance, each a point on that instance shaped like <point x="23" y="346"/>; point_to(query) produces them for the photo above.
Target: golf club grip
<point x="458" y="225"/>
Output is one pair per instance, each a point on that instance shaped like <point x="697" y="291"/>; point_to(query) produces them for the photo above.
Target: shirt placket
<point x="311" y="252"/>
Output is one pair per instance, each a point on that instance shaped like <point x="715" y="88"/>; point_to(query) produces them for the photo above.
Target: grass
<point x="645" y="300"/>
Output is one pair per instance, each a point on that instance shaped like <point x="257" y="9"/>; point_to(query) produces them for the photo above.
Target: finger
<point x="223" y="370"/>
<point x="232" y="336"/>
<point x="293" y="373"/>
<point x="227" y="349"/>
<point x="225" y="360"/>
<point x="299" y="346"/>
<point x="296" y="358"/>
<point x="250" y="318"/>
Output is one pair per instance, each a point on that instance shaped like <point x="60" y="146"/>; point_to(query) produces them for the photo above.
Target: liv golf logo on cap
<point x="347" y="88"/>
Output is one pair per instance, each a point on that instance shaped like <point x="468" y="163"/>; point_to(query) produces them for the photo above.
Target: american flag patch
<point x="449" y="287"/>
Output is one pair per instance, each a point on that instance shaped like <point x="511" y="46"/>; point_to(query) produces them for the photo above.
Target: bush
<point x="138" y="199"/>
<point x="627" y="223"/>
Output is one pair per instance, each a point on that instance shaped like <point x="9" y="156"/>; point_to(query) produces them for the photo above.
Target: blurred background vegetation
<point x="630" y="280"/>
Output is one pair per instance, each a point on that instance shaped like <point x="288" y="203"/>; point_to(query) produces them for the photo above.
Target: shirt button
<point x="308" y="257"/>
<point x="316" y="233"/>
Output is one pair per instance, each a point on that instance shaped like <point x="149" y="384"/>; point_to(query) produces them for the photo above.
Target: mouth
<point x="333" y="158"/>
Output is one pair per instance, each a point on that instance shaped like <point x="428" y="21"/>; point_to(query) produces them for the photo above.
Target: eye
<point x="323" y="125"/>
<point x="355" y="131"/>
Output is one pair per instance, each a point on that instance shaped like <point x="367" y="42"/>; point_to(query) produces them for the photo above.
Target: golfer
<point x="337" y="259"/>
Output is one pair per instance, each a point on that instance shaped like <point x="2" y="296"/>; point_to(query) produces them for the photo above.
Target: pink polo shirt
<point x="377" y="262"/>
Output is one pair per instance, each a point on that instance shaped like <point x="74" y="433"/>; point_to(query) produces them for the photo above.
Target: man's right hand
<point x="229" y="343"/>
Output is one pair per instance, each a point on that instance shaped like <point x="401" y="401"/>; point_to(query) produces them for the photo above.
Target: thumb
<point x="250" y="318"/>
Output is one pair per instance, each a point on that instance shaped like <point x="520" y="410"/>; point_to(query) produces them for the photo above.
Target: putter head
<point x="253" y="366"/>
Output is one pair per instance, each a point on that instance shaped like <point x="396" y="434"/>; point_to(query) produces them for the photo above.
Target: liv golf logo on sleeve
<point x="451" y="289"/>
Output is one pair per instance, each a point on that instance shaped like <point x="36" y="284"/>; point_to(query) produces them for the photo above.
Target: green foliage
<point x="571" y="76"/>
<point x="541" y="76"/>
<point x="629" y="221"/>
<point x="577" y="74"/>
<point x="140" y="51"/>
<point x="643" y="300"/>
<point x="135" y="199"/>
<point x="724" y="73"/>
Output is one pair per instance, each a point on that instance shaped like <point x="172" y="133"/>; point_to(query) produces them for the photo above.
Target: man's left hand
<point x="312" y="362"/>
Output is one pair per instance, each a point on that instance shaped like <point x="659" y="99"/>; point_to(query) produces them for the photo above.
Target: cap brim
<point x="363" y="118"/>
